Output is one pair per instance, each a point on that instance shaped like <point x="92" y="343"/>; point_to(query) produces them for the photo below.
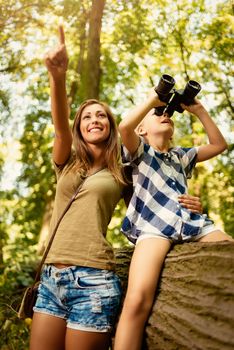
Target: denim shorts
<point x="87" y="298"/>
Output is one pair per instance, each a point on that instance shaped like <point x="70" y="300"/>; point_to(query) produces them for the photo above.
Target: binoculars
<point x="173" y="98"/>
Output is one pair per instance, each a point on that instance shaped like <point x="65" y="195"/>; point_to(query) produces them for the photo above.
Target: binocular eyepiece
<point x="173" y="98"/>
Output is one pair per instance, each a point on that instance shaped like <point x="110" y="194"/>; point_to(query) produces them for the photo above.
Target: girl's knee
<point x="137" y="305"/>
<point x="216" y="236"/>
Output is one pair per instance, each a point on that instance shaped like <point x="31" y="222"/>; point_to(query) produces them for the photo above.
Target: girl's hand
<point x="154" y="97"/>
<point x="196" y="108"/>
<point x="190" y="202"/>
<point x="56" y="60"/>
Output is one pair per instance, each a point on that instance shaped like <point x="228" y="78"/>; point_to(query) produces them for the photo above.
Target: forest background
<point x="118" y="50"/>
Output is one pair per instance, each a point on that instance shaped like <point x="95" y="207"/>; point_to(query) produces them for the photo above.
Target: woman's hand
<point x="56" y="60"/>
<point x="190" y="202"/>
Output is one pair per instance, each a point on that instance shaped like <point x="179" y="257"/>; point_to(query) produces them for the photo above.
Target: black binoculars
<point x="173" y="98"/>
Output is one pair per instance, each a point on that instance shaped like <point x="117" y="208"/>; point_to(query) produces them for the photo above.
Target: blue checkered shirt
<point x="158" y="179"/>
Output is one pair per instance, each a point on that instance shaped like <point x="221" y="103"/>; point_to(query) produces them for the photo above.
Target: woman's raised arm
<point x="56" y="62"/>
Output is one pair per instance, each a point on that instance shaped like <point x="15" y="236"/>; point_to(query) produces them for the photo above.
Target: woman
<point x="79" y="294"/>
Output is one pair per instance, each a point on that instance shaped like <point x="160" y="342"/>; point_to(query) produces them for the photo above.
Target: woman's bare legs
<point x="47" y="332"/>
<point x="145" y="268"/>
<point x="82" y="340"/>
<point x="216" y="236"/>
<point x="50" y="333"/>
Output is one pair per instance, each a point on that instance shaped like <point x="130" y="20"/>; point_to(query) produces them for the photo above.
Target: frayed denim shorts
<point x="87" y="298"/>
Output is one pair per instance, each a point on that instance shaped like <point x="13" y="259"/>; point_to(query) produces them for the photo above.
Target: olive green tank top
<point x="81" y="235"/>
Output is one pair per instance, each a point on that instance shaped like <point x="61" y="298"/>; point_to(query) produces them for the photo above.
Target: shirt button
<point x="178" y="206"/>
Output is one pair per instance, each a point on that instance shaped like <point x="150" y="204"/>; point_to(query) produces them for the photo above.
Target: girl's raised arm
<point x="217" y="143"/>
<point x="128" y="125"/>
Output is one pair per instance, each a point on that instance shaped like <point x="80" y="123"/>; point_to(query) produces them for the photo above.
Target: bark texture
<point x="92" y="78"/>
<point x="194" y="305"/>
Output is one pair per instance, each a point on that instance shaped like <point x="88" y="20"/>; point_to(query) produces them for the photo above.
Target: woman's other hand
<point x="190" y="202"/>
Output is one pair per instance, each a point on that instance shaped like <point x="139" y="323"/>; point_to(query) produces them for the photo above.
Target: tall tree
<point x="92" y="70"/>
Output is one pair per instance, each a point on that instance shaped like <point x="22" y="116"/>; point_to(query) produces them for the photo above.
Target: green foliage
<point x="20" y="265"/>
<point x="114" y="236"/>
<point x="222" y="182"/>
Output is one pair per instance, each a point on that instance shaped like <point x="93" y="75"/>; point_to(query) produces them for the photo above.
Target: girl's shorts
<point x="180" y="239"/>
<point x="87" y="298"/>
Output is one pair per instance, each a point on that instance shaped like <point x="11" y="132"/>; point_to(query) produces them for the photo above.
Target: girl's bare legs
<point x="50" y="333"/>
<point x="47" y="332"/>
<point x="215" y="236"/>
<point x="145" y="268"/>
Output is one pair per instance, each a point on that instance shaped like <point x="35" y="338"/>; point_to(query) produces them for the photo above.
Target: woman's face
<point x="94" y="124"/>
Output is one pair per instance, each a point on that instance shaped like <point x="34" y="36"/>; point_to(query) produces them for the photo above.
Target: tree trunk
<point x="92" y="72"/>
<point x="194" y="305"/>
<point x="77" y="84"/>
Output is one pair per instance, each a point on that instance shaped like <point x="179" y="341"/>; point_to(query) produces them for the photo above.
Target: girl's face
<point x="94" y="124"/>
<point x="153" y="124"/>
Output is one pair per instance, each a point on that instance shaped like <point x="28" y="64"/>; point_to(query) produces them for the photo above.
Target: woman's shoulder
<point x="61" y="168"/>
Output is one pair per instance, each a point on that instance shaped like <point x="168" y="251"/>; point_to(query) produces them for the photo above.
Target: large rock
<point x="194" y="305"/>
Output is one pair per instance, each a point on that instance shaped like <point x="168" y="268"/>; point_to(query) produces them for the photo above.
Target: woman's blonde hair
<point x="83" y="156"/>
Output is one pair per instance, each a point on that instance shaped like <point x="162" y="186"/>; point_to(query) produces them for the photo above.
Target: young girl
<point x="155" y="218"/>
